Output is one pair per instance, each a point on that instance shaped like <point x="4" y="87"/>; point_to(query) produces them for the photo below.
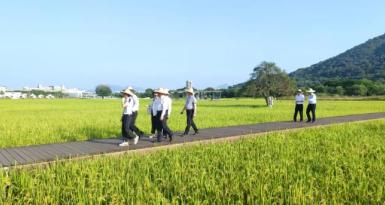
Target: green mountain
<point x="365" y="61"/>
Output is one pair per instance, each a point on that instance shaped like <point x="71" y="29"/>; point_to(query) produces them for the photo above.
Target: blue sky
<point x="164" y="43"/>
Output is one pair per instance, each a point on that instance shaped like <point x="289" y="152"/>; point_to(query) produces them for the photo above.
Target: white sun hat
<point x="189" y="90"/>
<point x="310" y="91"/>
<point x="128" y="92"/>
<point x="163" y="91"/>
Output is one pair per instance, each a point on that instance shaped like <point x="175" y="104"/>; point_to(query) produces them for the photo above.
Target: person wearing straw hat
<point x="127" y="104"/>
<point x="299" y="100"/>
<point x="191" y="110"/>
<point x="164" y="114"/>
<point x="153" y="109"/>
<point x="135" y="109"/>
<point x="311" y="107"/>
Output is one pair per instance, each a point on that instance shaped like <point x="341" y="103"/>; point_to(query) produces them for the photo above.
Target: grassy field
<point x="27" y="122"/>
<point x="341" y="164"/>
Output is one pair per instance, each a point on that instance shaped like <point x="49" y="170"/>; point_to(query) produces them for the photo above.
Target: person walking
<point x="191" y="111"/>
<point x="135" y="109"/>
<point x="164" y="115"/>
<point x="270" y="101"/>
<point x="311" y="107"/>
<point x="153" y="109"/>
<point x="299" y="100"/>
<point x="127" y="104"/>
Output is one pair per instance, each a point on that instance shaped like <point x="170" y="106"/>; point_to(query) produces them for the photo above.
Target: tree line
<point x="268" y="79"/>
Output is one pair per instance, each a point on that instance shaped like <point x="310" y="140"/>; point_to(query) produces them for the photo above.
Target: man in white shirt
<point x="135" y="109"/>
<point x="127" y="104"/>
<point x="299" y="100"/>
<point x="311" y="107"/>
<point x="191" y="110"/>
<point x="152" y="110"/>
<point x="164" y="114"/>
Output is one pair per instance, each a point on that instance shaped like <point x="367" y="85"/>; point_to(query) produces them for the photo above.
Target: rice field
<point x="340" y="164"/>
<point x="29" y="122"/>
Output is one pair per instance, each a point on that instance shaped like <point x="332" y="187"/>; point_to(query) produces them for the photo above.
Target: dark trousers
<point x="298" y="109"/>
<point x="126" y="131"/>
<point x="310" y="108"/>
<point x="133" y="126"/>
<point x="162" y="125"/>
<point x="190" y="121"/>
<point x="153" y="123"/>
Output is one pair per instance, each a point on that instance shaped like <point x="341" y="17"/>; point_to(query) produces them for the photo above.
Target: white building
<point x="188" y="84"/>
<point x="73" y="93"/>
<point x="50" y="96"/>
<point x="68" y="92"/>
<point x="40" y="87"/>
<point x="13" y="95"/>
<point x="3" y="89"/>
<point x="89" y="95"/>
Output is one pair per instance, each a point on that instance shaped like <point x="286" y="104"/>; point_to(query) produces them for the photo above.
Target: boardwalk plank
<point x="26" y="155"/>
<point x="16" y="156"/>
<point x="4" y="161"/>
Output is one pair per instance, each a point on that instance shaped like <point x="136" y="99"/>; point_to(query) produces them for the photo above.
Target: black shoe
<point x="313" y="121"/>
<point x="294" y="120"/>
<point x="182" y="135"/>
<point x="141" y="135"/>
<point x="196" y="132"/>
<point x="308" y="121"/>
<point x="170" y="138"/>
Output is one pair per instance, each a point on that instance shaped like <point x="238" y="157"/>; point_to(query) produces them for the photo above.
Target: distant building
<point x="24" y="96"/>
<point x="3" y="89"/>
<point x="73" y="93"/>
<point x="40" y="87"/>
<point x="89" y="95"/>
<point x="50" y="96"/>
<point x="13" y="95"/>
<point x="188" y="84"/>
<point x="48" y="92"/>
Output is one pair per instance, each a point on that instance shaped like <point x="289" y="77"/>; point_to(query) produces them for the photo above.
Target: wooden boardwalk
<point x="50" y="152"/>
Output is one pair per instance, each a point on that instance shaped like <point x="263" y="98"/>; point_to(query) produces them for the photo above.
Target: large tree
<point x="268" y="79"/>
<point x="103" y="90"/>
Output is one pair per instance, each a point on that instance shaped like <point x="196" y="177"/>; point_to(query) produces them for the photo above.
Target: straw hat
<point x="189" y="90"/>
<point x="310" y="91"/>
<point x="162" y="91"/>
<point x="128" y="92"/>
<point x="130" y="88"/>
<point x="299" y="91"/>
<point x="165" y="91"/>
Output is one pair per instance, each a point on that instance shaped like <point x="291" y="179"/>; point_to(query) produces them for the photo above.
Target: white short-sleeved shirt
<point x="135" y="103"/>
<point x="156" y="106"/>
<point x="127" y="106"/>
<point x="166" y="103"/>
<point x="299" y="99"/>
<point x="312" y="99"/>
<point x="190" y="102"/>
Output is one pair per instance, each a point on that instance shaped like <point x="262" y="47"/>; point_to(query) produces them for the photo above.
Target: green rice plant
<point x="42" y="121"/>
<point x="340" y="164"/>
